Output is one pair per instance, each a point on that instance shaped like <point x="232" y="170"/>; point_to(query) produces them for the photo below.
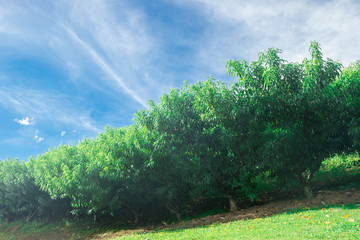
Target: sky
<point x="69" y="68"/>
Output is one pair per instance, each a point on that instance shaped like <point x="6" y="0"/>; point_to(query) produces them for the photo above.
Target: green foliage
<point x="232" y="138"/>
<point x="19" y="196"/>
<point x="106" y="176"/>
<point x="349" y="89"/>
<point x="126" y="161"/>
<point x="296" y="104"/>
<point x="341" y="161"/>
<point x="175" y="131"/>
<point x="74" y="172"/>
<point x="339" y="171"/>
<point x="15" y="188"/>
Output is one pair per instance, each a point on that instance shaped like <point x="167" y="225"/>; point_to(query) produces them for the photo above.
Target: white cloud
<point x="37" y="138"/>
<point x="25" y="121"/>
<point x="241" y="29"/>
<point x="63" y="133"/>
<point x="47" y="107"/>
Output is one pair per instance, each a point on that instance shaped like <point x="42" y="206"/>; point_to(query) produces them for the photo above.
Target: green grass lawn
<point x="332" y="222"/>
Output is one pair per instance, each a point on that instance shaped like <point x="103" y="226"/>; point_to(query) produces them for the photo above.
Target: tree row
<point x="206" y="142"/>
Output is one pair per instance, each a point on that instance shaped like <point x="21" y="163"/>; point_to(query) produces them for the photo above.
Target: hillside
<point x="324" y="199"/>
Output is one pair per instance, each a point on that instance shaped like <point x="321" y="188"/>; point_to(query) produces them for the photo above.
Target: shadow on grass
<point x="180" y="229"/>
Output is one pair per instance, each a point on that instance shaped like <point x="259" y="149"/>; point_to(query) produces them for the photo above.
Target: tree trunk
<point x="175" y="210"/>
<point x="136" y="217"/>
<point x="232" y="203"/>
<point x="308" y="192"/>
<point x="178" y="216"/>
<point x="47" y="218"/>
<point x="304" y="180"/>
<point x="30" y="215"/>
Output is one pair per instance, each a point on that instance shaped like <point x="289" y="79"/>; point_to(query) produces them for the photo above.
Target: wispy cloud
<point x="104" y="45"/>
<point x="241" y="29"/>
<point x="106" y="67"/>
<point x="115" y="42"/>
<point x="46" y="107"/>
<point x="63" y="133"/>
<point x="25" y="121"/>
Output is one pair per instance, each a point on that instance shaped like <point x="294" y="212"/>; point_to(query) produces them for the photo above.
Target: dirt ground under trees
<point x="322" y="198"/>
<point x="262" y="209"/>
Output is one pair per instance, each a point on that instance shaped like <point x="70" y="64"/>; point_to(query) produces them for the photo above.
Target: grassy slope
<point x="332" y="222"/>
<point x="21" y="230"/>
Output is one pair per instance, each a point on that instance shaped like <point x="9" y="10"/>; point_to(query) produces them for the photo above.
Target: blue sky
<point x="69" y="68"/>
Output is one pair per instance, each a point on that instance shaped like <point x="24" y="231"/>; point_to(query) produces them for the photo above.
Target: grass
<point x="340" y="166"/>
<point x="339" y="171"/>
<point x="332" y="222"/>
<point x="37" y="230"/>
